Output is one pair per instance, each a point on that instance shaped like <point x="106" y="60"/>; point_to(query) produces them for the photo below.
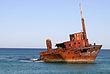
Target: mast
<point x="82" y="20"/>
<point x="83" y="25"/>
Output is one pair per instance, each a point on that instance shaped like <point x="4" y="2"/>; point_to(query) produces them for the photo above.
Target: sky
<point x="28" y="23"/>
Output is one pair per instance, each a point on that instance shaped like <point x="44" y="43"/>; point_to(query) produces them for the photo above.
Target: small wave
<point x="39" y="61"/>
<point x="25" y="60"/>
<point x="36" y="60"/>
<point x="6" y="58"/>
<point x="15" y="59"/>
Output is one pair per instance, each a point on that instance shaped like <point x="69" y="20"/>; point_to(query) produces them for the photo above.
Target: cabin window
<point x="78" y="42"/>
<point x="83" y="50"/>
<point x="69" y="44"/>
<point x="94" y="47"/>
<point x="60" y="45"/>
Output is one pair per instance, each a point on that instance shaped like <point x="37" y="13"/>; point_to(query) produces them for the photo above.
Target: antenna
<point x="81" y="9"/>
<point x="82" y="20"/>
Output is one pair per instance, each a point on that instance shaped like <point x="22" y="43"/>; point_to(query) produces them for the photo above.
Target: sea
<point x="19" y="61"/>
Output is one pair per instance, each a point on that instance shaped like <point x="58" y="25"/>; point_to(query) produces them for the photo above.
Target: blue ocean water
<point x="18" y="61"/>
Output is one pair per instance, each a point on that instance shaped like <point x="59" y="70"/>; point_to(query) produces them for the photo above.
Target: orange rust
<point x="77" y="50"/>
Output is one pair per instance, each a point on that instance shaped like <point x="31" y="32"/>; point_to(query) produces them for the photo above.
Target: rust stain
<point x="77" y="50"/>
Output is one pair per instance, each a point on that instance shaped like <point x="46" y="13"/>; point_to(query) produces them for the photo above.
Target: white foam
<point x="25" y="61"/>
<point x="36" y="60"/>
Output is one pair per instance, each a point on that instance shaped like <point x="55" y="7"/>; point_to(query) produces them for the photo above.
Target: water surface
<point x="18" y="61"/>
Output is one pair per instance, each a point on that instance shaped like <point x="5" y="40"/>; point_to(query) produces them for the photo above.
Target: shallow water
<point x="18" y="61"/>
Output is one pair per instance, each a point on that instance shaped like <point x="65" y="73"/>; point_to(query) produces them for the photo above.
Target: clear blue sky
<point x="28" y="23"/>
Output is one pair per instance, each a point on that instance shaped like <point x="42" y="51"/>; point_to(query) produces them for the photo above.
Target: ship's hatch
<point x="60" y="45"/>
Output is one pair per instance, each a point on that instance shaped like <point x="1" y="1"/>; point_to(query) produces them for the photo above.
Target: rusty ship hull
<point x="76" y="50"/>
<point x="80" y="55"/>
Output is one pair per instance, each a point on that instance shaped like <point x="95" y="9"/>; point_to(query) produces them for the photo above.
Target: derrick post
<point x="83" y="26"/>
<point x="49" y="44"/>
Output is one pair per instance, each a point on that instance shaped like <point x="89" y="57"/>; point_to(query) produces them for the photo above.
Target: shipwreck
<point x="76" y="50"/>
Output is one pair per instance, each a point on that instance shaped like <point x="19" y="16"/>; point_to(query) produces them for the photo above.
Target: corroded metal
<point x="77" y="50"/>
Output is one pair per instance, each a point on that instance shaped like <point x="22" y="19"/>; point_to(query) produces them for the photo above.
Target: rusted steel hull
<point x="76" y="50"/>
<point x="82" y="55"/>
